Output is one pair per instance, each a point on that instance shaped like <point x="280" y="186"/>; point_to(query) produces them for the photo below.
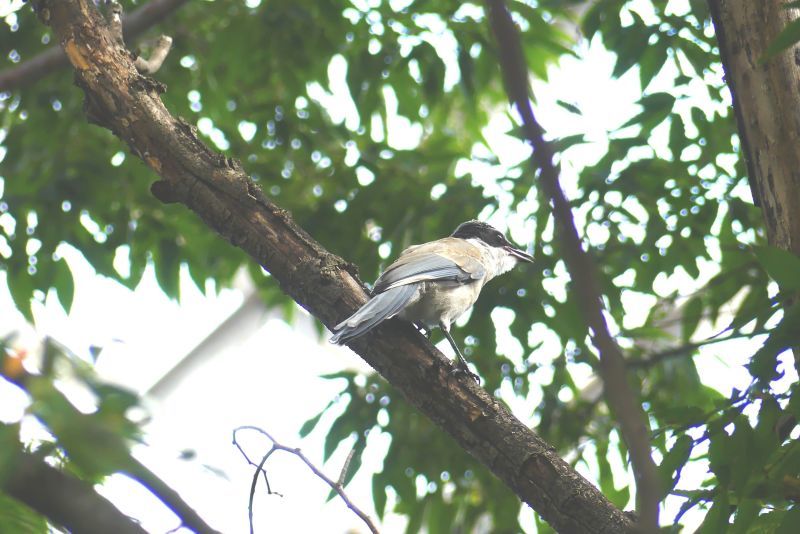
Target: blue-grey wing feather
<point x="426" y="267"/>
<point x="381" y="307"/>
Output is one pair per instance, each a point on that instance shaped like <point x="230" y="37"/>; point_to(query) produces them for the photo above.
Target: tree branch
<point x="217" y="189"/>
<point x="130" y="467"/>
<point x="686" y="349"/>
<point x="622" y="399"/>
<point x="171" y="498"/>
<point x="63" y="499"/>
<point x="337" y="486"/>
<point x="53" y="59"/>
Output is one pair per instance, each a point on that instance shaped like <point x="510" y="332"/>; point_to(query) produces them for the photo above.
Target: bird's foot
<point x="461" y="369"/>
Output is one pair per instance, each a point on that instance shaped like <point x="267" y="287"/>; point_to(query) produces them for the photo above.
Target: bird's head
<point x="491" y="236"/>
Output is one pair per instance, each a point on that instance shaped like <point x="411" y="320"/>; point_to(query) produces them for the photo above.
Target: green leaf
<point x="416" y="517"/>
<point x="311" y="423"/>
<point x="167" y="268"/>
<point x="783" y="337"/>
<point x="782" y="266"/>
<point x="379" y="494"/>
<point x="572" y="108"/>
<point x="746" y="513"/>
<point x="64" y="284"/>
<point x="716" y="520"/>
<point x="788" y="37"/>
<point x="16" y="517"/>
<point x="21" y="286"/>
<point x="692" y="312"/>
<point x="656" y="108"/>
<point x="790" y="521"/>
<point x="651" y="62"/>
<point x="340" y="431"/>
<point x="673" y="462"/>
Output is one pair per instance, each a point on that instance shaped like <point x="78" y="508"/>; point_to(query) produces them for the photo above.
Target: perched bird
<point x="432" y="284"/>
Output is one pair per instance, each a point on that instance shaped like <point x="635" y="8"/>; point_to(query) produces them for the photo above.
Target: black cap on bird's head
<point x="490" y="235"/>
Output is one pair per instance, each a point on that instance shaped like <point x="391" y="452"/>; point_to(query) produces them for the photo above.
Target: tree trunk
<point x="766" y="99"/>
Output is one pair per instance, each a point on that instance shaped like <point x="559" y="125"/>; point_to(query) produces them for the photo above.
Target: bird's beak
<point x="517" y="253"/>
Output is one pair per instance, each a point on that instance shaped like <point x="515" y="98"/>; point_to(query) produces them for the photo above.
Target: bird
<point x="431" y="285"/>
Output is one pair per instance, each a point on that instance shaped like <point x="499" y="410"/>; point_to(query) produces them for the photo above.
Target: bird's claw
<point x="463" y="370"/>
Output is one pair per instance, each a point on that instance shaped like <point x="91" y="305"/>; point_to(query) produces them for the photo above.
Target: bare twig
<point x="53" y="58"/>
<point x="335" y="486"/>
<point x="160" y="49"/>
<point x="346" y="465"/>
<point x="621" y="398"/>
<point x="688" y="348"/>
<point x="157" y="56"/>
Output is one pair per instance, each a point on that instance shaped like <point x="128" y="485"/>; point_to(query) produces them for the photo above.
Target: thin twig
<point x="276" y="446"/>
<point x="688" y="348"/>
<point x="346" y="465"/>
<point x="622" y="399"/>
<point x="259" y="469"/>
<point x="157" y="56"/>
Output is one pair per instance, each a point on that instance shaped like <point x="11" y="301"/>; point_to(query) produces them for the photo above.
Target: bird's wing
<point x="445" y="259"/>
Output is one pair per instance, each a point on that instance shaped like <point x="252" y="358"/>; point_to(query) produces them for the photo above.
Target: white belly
<point x="440" y="302"/>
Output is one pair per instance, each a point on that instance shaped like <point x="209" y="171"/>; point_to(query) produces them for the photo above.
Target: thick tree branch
<point x="63" y="499"/>
<point x="621" y="397"/>
<point x="53" y="59"/>
<point x="217" y="189"/>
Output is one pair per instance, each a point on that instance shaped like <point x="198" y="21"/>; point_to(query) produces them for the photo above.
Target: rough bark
<point x="218" y="190"/>
<point x="766" y="99"/>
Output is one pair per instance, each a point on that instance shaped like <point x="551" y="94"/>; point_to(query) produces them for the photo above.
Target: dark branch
<point x="338" y="486"/>
<point x="189" y="518"/>
<point x="53" y="58"/>
<point x="217" y="189"/>
<point x="63" y="499"/>
<point x="685" y="350"/>
<point x="130" y="466"/>
<point x="621" y="398"/>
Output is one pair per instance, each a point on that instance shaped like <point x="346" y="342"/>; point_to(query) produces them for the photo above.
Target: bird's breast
<point x="441" y="302"/>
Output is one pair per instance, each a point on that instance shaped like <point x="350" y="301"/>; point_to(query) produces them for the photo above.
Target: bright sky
<point x="247" y="381"/>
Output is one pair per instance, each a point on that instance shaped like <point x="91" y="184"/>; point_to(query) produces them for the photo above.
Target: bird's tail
<point x="381" y="307"/>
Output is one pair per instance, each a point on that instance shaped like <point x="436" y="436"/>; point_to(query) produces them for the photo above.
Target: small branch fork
<point x="160" y="51"/>
<point x="337" y="486"/>
<point x="53" y="59"/>
<point x="622" y="399"/>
